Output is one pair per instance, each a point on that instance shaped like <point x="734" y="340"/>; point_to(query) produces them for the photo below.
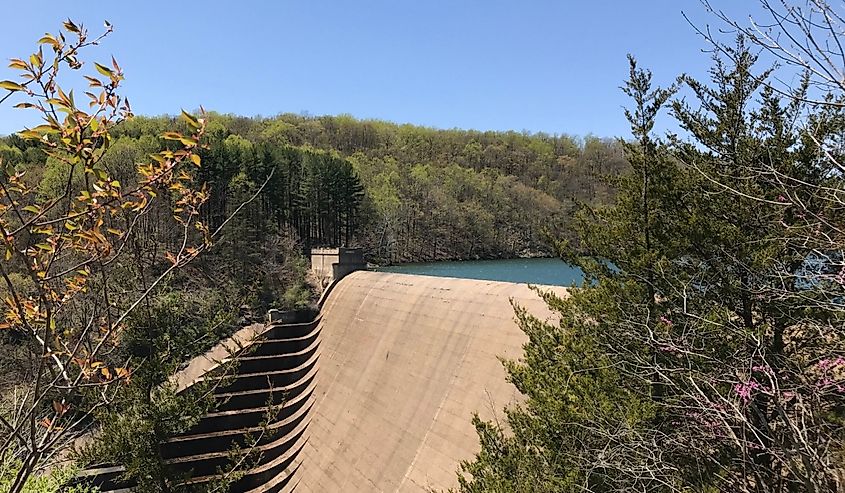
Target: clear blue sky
<point x="552" y="66"/>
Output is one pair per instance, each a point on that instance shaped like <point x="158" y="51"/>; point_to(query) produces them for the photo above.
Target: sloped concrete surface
<point x="405" y="361"/>
<point x="375" y="394"/>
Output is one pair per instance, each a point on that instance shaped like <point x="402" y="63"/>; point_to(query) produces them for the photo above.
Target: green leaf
<point x="92" y="82"/>
<point x="46" y="129"/>
<point x="193" y="122"/>
<point x="103" y="69"/>
<point x="100" y="174"/>
<point x="49" y="39"/>
<point x="17" y="63"/>
<point x="36" y="59"/>
<point x="70" y="26"/>
<point x="56" y="102"/>
<point x="10" y="85"/>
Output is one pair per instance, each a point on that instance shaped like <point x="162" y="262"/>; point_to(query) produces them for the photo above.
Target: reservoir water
<point x="551" y="271"/>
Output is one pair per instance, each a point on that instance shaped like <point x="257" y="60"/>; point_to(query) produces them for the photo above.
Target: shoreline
<point x="371" y="265"/>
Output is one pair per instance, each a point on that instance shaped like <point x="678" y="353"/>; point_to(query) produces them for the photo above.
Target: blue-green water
<point x="549" y="271"/>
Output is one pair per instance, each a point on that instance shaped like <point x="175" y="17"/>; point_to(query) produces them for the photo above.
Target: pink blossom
<point x="830" y="363"/>
<point x="744" y="389"/>
<point x="708" y="421"/>
<point x="666" y="321"/>
<point x="781" y="198"/>
<point x="830" y="377"/>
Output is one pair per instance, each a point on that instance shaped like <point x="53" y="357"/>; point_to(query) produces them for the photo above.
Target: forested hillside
<point x="436" y="194"/>
<point x="403" y="192"/>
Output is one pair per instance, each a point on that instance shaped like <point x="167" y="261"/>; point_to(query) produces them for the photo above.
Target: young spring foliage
<point x="73" y="271"/>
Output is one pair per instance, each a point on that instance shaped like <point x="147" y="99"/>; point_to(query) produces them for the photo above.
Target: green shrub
<point x="47" y="482"/>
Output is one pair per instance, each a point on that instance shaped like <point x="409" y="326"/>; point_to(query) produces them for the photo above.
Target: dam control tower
<point x="333" y="264"/>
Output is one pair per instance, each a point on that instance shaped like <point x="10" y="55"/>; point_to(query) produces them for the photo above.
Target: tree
<point x="583" y="427"/>
<point x="699" y="355"/>
<point x="69" y="248"/>
<point x="149" y="408"/>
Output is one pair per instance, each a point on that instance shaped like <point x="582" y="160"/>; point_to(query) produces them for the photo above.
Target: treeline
<point x="274" y="201"/>
<point x="456" y="194"/>
<point x="418" y="193"/>
<point x="314" y="193"/>
<point x="403" y="192"/>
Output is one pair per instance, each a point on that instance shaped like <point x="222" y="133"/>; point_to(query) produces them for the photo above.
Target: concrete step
<point x="262" y="380"/>
<point x="106" y="477"/>
<point x="210" y="464"/>
<point x="290" y="358"/>
<point x="196" y="442"/>
<point x="281" y="474"/>
<point x="290" y="331"/>
<point x="272" y="347"/>
<point x="272" y="476"/>
<point x="247" y="399"/>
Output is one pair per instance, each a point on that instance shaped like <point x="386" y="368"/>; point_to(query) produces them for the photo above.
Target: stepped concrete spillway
<point x="267" y="396"/>
<point x="405" y="361"/>
<point x="376" y="393"/>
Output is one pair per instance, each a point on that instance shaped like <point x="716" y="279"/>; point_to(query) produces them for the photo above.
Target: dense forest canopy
<point x="403" y="192"/>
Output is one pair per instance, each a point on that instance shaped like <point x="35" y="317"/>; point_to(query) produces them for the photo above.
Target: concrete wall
<point x="329" y="264"/>
<point x="322" y="260"/>
<point x="405" y="361"/>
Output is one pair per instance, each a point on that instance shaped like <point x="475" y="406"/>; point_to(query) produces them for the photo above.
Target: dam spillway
<point x="376" y="393"/>
<point x="405" y="362"/>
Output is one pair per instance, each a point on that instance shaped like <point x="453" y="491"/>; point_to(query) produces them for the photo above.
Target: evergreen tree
<point x="693" y="358"/>
<point x="584" y="427"/>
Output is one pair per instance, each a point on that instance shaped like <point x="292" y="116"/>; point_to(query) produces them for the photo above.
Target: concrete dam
<point x="376" y="394"/>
